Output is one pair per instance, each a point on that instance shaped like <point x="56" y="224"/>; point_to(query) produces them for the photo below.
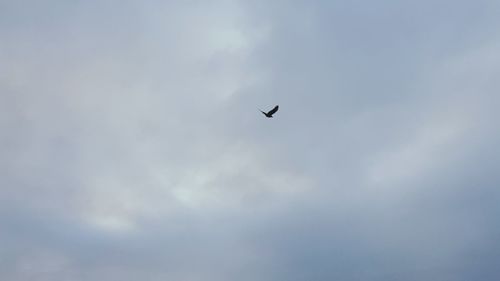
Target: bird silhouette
<point x="270" y="113"/>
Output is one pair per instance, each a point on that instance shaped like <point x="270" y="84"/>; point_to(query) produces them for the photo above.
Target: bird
<point x="271" y="112"/>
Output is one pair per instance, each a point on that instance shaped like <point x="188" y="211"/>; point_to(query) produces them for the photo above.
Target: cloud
<point x="132" y="147"/>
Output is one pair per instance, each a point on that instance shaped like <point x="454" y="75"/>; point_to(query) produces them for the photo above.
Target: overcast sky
<point x="132" y="148"/>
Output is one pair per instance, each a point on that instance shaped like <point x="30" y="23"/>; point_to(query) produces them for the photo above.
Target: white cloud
<point x="132" y="147"/>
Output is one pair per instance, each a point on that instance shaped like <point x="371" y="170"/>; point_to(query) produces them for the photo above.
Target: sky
<point x="132" y="146"/>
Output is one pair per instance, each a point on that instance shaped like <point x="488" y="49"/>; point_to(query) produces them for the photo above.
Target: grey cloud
<point x="132" y="147"/>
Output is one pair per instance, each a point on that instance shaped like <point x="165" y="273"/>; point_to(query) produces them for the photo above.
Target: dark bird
<point x="271" y="112"/>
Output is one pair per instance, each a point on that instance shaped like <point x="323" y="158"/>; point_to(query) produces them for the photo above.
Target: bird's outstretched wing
<point x="273" y="110"/>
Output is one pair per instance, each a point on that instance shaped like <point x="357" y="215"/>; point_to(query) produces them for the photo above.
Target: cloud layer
<point x="132" y="146"/>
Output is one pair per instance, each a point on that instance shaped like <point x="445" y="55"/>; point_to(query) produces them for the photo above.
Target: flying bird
<point x="271" y="112"/>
